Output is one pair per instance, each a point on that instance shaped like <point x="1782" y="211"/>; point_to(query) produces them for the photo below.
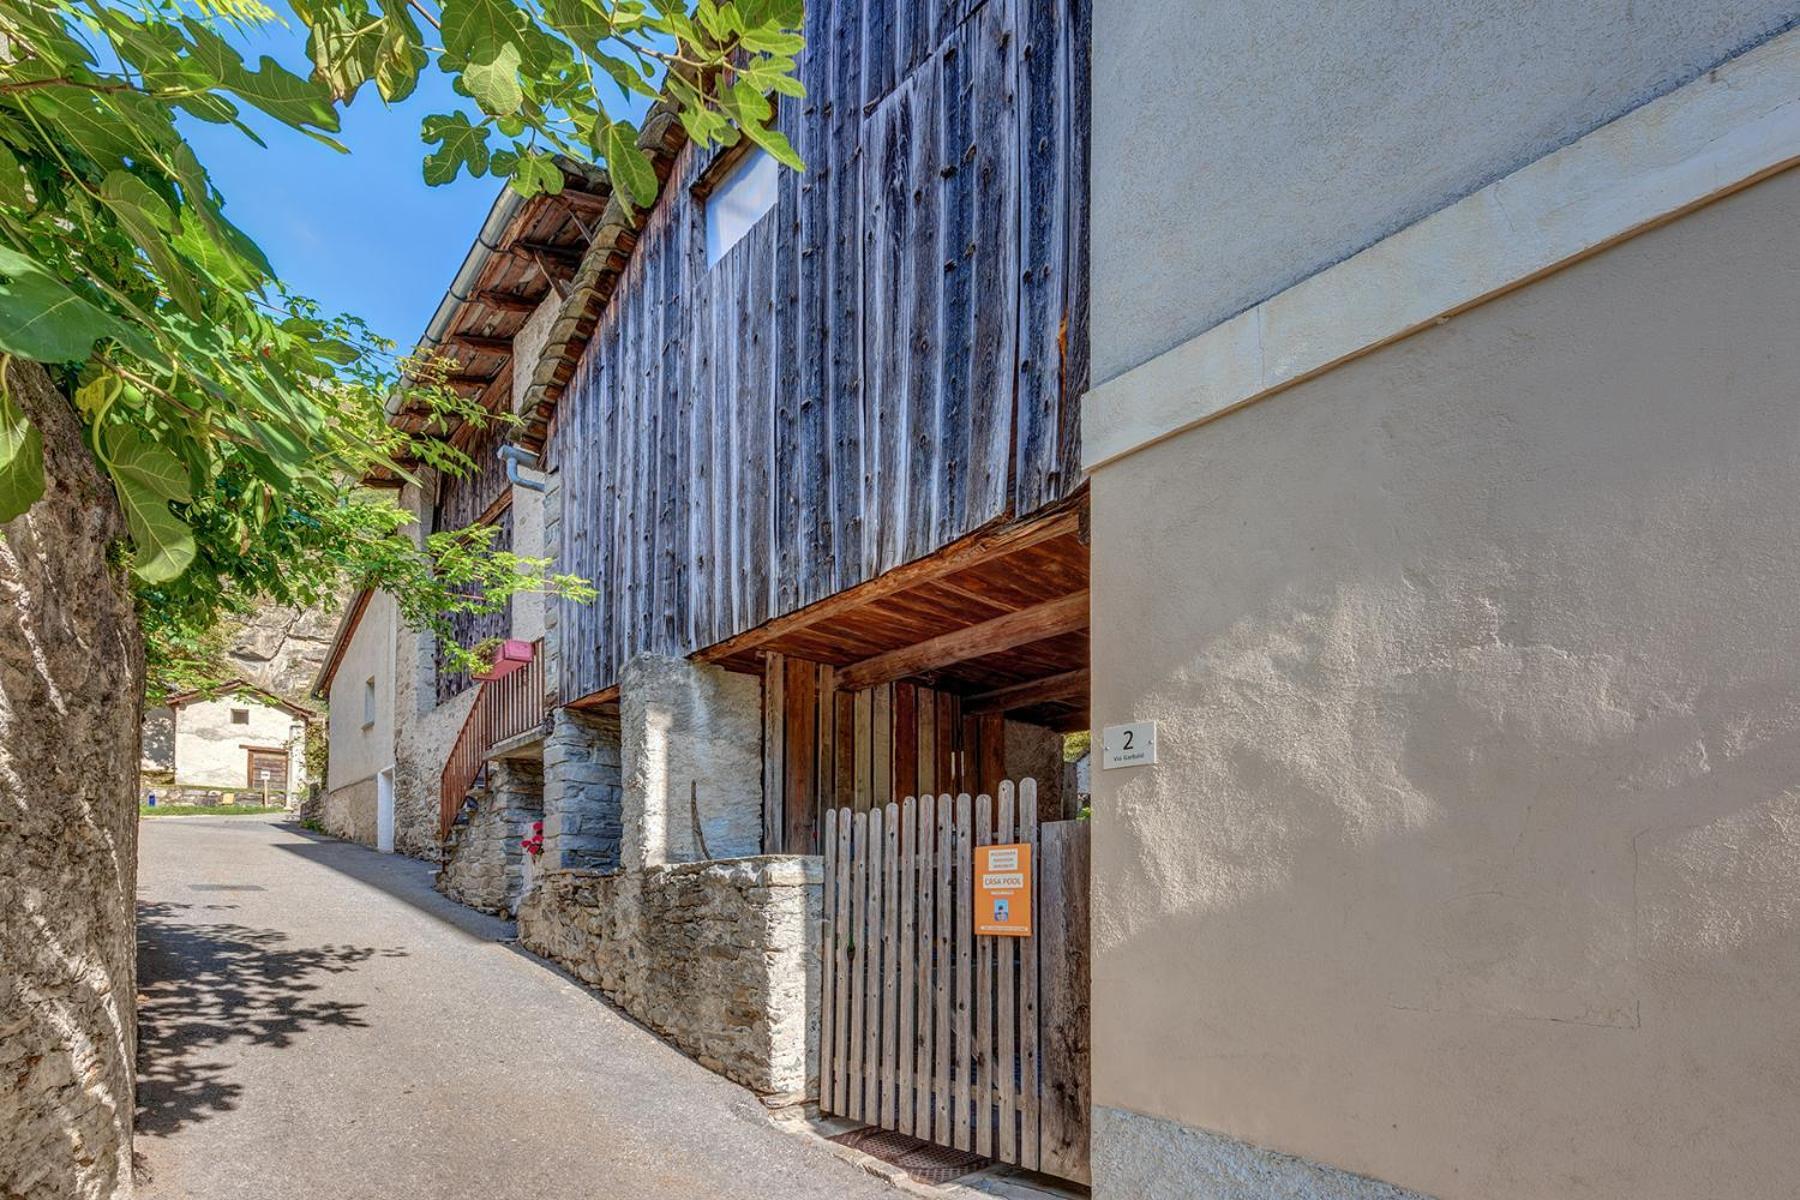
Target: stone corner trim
<point x="1729" y="128"/>
<point x="1150" y="1158"/>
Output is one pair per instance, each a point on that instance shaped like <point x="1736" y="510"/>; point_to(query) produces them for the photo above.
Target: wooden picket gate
<point x="977" y="1043"/>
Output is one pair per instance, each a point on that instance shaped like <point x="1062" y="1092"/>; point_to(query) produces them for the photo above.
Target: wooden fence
<point x="978" y="1043"/>
<point x="504" y="708"/>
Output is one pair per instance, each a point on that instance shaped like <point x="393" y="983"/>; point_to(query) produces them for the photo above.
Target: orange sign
<point x="1003" y="890"/>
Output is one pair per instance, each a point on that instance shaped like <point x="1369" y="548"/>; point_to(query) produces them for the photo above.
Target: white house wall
<point x="212" y="752"/>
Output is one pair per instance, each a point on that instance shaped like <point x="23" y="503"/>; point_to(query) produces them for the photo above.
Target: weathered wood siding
<point x="889" y="360"/>
<point x="470" y="628"/>
<point x="465" y="499"/>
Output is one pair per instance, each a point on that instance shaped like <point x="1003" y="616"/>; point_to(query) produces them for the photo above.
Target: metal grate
<point x="925" y="1162"/>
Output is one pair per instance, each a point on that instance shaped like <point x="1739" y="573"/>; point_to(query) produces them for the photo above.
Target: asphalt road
<point x="316" y="1022"/>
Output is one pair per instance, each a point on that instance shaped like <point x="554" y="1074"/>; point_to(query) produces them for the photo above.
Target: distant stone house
<point x="233" y="738"/>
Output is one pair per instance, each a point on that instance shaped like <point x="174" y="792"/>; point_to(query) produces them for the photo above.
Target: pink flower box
<point x="509" y="656"/>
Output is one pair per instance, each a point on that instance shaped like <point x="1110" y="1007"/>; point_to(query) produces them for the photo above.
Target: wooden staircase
<point x="504" y="708"/>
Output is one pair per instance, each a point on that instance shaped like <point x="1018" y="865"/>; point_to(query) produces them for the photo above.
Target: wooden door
<point x="268" y="768"/>
<point x="977" y="1043"/>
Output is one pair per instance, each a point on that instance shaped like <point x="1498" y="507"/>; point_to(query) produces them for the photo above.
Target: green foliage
<point x="539" y="74"/>
<point x="235" y="420"/>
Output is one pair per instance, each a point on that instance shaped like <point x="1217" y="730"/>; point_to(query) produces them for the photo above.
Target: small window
<point x="240" y="716"/>
<point x="738" y="200"/>
<point x="368" y="701"/>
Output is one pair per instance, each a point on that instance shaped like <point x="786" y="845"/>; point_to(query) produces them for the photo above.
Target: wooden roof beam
<point x="562" y="256"/>
<point x="976" y="548"/>
<point x="1068" y="685"/>
<point x="507" y="302"/>
<point x="482" y="343"/>
<point x="1065" y="614"/>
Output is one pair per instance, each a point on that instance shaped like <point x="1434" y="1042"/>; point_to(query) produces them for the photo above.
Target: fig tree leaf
<point x="147" y="477"/>
<point x="632" y="172"/>
<point x="21" y="458"/>
<point x="459" y="144"/>
<point x="43" y="319"/>
<point x="495" y="84"/>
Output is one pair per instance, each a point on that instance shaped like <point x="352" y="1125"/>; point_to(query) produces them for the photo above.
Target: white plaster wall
<point x="212" y="752"/>
<point x="1472" y="862"/>
<point x="358" y="749"/>
<point x="1239" y="148"/>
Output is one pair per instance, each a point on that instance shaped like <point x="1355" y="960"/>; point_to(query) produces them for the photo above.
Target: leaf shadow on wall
<point x="203" y="986"/>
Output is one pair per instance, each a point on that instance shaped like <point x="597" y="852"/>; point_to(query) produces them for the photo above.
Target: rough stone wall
<point x="691" y="746"/>
<point x="282" y="649"/>
<point x="1037" y="753"/>
<point x="424" y="730"/>
<point x="158" y="751"/>
<point x="582" y="795"/>
<point x="71" y="697"/>
<point x="349" y="812"/>
<point x="720" y="958"/>
<point x="484" y="865"/>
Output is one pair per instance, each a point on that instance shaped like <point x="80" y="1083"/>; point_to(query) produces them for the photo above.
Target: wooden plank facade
<point x="890" y="360"/>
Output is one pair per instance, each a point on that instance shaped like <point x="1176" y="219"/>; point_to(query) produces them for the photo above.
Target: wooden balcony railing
<point x="504" y="708"/>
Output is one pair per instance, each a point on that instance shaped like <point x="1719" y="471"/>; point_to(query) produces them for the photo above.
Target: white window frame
<point x="742" y="195"/>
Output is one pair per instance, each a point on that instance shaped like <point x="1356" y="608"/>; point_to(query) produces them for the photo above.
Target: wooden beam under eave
<point x="599" y="699"/>
<point x="507" y="302"/>
<point x="1065" y="686"/>
<point x="568" y="256"/>
<point x="482" y="343"/>
<point x="976" y="548"/>
<point x="1065" y="614"/>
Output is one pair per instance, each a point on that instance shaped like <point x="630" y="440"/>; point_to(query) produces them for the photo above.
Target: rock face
<point x="71" y="695"/>
<point x="721" y="958"/>
<point x="282" y="649"/>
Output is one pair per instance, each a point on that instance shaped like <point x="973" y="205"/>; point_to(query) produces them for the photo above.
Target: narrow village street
<point x="318" y="1022"/>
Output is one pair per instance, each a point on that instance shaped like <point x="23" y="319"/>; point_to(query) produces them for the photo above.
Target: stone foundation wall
<point x="349" y="812"/>
<point x="484" y="865"/>
<point x="71" y="696"/>
<point x="720" y="958"/>
<point x="583" y="821"/>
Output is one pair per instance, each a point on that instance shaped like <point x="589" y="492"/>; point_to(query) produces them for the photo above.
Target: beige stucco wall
<point x="1472" y="861"/>
<point x="359" y="749"/>
<point x="212" y="752"/>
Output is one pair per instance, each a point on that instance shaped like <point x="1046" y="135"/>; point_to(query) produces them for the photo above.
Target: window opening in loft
<point x="368" y="701"/>
<point x="240" y="716"/>
<point x="740" y="198"/>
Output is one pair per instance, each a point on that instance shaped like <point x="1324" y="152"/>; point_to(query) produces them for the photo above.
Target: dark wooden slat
<point x="483" y="343"/>
<point x="800" y="752"/>
<point x="775" y="725"/>
<point x="1063" y="996"/>
<point x="508" y="301"/>
<point x="1035" y="691"/>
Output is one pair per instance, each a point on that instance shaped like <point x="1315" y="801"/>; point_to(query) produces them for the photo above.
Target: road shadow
<point x="204" y="985"/>
<point x="407" y="880"/>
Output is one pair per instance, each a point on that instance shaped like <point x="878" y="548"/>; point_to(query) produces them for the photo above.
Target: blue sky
<point x="359" y="232"/>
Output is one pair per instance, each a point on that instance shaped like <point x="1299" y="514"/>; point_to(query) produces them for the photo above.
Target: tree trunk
<point x="71" y="698"/>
